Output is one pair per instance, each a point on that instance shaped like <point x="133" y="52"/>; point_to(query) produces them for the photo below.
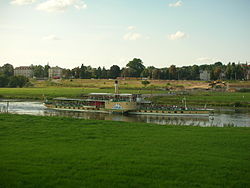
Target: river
<point x="219" y="119"/>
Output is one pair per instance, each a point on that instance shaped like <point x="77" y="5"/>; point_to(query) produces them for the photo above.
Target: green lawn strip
<point x="236" y="99"/>
<point x="65" y="152"/>
<point x="210" y="98"/>
<point x="52" y="92"/>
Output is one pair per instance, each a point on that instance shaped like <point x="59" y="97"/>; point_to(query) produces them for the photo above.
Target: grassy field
<point x="65" y="152"/>
<point x="212" y="99"/>
<point x="77" y="88"/>
<point x="52" y="92"/>
<point x="124" y="84"/>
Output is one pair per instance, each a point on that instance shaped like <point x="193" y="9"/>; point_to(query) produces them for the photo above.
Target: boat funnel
<point x="116" y="87"/>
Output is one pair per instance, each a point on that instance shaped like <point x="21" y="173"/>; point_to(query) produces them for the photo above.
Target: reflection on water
<point x="219" y="119"/>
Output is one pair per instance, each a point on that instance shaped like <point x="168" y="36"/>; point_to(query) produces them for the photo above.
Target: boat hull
<point x="133" y="112"/>
<point x="187" y="113"/>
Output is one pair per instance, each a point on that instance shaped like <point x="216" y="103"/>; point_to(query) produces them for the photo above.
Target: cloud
<point x="60" y="5"/>
<point x="202" y="59"/>
<point x="177" y="35"/>
<point x="22" y="2"/>
<point x="132" y="36"/>
<point x="177" y="4"/>
<point x="131" y="27"/>
<point x="11" y="27"/>
<point x="51" y="37"/>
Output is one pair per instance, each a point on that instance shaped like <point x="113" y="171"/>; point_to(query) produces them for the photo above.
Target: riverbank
<point x="211" y="98"/>
<point x="64" y="152"/>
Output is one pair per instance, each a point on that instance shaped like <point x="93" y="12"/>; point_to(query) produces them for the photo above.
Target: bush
<point x="18" y="81"/>
<point x="244" y="90"/>
<point x="238" y="104"/>
<point x="4" y="80"/>
<point x="145" y="82"/>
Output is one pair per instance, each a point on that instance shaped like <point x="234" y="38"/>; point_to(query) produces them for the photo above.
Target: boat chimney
<point x="116" y="87"/>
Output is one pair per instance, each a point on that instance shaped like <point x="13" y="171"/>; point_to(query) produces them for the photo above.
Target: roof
<point x="23" y="68"/>
<point x="67" y="99"/>
<point x="110" y="94"/>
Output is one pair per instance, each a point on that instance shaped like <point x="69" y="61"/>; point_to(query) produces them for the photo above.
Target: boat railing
<point x="170" y="108"/>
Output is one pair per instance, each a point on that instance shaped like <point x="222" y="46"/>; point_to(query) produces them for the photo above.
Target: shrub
<point x="145" y="82"/>
<point x="244" y="90"/>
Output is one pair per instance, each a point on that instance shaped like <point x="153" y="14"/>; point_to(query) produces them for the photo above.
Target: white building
<point x="205" y="75"/>
<point x="55" y="72"/>
<point x="24" y="71"/>
<point x="248" y="75"/>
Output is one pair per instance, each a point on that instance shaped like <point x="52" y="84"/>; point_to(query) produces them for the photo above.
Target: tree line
<point x="134" y="68"/>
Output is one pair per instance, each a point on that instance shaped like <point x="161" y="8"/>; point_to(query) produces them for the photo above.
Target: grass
<point x="52" y="92"/>
<point x="109" y="83"/>
<point x="77" y="87"/>
<point x="65" y="152"/>
<point x="225" y="99"/>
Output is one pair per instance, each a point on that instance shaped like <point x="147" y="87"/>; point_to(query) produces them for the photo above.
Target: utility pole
<point x="7" y="110"/>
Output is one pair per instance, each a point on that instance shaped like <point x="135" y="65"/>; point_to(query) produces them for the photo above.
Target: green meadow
<point x="52" y="92"/>
<point x="211" y="99"/>
<point x="76" y="88"/>
<point x="64" y="152"/>
<point x="223" y="99"/>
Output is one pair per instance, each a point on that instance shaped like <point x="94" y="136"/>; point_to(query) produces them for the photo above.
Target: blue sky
<point x="68" y="33"/>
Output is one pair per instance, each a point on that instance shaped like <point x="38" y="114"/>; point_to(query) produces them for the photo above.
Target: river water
<point x="220" y="119"/>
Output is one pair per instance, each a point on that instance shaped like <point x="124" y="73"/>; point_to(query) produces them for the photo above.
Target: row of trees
<point x="135" y="68"/>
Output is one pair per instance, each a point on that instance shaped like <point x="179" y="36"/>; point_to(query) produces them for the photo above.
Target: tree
<point x="217" y="72"/>
<point x="128" y="72"/>
<point x="94" y="73"/>
<point x="99" y="72"/>
<point x="104" y="73"/>
<point x="218" y="64"/>
<point x="145" y="82"/>
<point x="229" y="71"/>
<point x="172" y="72"/>
<point x="46" y="70"/>
<point x="18" y="81"/>
<point x="239" y="72"/>
<point x="137" y="66"/>
<point x="82" y="71"/>
<point x="114" y="71"/>
<point x="67" y="73"/>
<point x="8" y="70"/>
<point x="38" y="71"/>
<point x="76" y="72"/>
<point x="4" y="80"/>
<point x="156" y="74"/>
<point x="195" y="72"/>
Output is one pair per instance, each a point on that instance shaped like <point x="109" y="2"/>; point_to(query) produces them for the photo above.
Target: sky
<point x="68" y="33"/>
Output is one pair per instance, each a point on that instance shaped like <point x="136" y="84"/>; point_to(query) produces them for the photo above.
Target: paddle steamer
<point x="120" y="103"/>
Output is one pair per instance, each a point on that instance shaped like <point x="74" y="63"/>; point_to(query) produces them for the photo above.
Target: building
<point x="24" y="71"/>
<point x="248" y="75"/>
<point x="205" y="75"/>
<point x="55" y="72"/>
